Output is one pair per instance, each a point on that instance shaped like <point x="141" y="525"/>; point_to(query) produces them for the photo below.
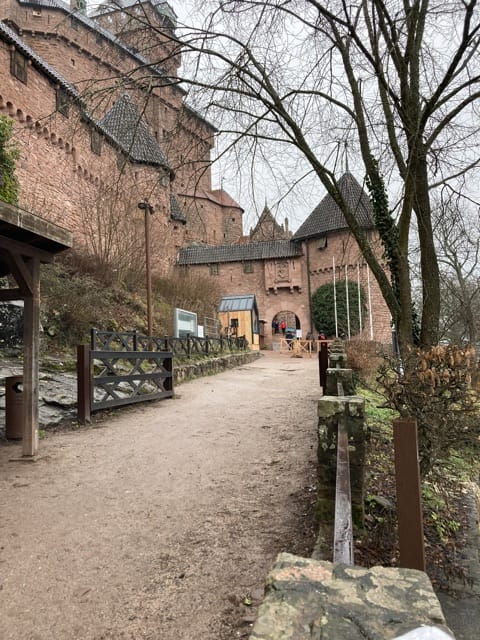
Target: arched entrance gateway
<point x="283" y="323"/>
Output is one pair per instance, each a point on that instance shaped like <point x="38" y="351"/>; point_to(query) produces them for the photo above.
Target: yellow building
<point x="239" y="317"/>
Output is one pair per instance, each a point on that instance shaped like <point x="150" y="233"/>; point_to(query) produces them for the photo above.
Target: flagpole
<point x="360" y="323"/>
<point x="369" y="303"/>
<point x="335" y="298"/>
<point x="348" y="301"/>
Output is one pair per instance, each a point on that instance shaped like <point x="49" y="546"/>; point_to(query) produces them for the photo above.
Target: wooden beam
<point x="31" y="339"/>
<point x="27" y="250"/>
<point x="11" y="294"/>
<point x="20" y="272"/>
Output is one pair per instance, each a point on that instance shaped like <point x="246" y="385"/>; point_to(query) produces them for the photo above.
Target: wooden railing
<point x="301" y="346"/>
<point x="182" y="348"/>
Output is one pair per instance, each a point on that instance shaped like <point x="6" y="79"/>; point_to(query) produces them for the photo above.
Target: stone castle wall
<point x="61" y="177"/>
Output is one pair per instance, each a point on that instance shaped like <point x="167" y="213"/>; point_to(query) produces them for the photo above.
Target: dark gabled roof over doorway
<point x="328" y="217"/>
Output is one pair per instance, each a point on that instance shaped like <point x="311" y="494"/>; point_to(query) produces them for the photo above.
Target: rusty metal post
<point x="409" y="502"/>
<point x="323" y="363"/>
<point x="83" y="383"/>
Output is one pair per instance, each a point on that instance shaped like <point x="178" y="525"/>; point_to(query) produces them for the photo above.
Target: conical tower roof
<point x="328" y="217"/>
<point x="125" y="125"/>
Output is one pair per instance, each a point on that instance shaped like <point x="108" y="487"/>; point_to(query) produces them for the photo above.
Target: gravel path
<point x="162" y="521"/>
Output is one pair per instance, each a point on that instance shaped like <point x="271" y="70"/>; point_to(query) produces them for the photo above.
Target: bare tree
<point x="458" y="240"/>
<point x="397" y="80"/>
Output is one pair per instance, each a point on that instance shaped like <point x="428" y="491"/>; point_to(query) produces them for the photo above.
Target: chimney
<point x="287" y="233"/>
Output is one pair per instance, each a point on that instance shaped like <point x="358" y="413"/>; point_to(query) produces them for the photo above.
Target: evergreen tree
<point x="323" y="308"/>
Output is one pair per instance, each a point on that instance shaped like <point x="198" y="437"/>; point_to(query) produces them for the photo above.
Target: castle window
<point x="74" y="23"/>
<point x="99" y="39"/>
<point x="322" y="243"/>
<point x="62" y="102"/>
<point x="248" y="267"/>
<point x="96" y="142"/>
<point x="214" y="271"/>
<point x="18" y="66"/>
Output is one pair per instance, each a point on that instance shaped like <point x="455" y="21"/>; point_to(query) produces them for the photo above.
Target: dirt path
<point x="162" y="520"/>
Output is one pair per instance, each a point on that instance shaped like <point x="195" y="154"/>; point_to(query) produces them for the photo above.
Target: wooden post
<point x="409" y="502"/>
<point x="83" y="383"/>
<point x="31" y="331"/>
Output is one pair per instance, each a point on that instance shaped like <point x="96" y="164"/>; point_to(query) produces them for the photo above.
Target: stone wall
<point x="210" y="366"/>
<point x="60" y="175"/>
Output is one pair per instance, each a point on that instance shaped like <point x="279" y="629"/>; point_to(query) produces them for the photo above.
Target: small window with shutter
<point x="62" y="102"/>
<point x="18" y="66"/>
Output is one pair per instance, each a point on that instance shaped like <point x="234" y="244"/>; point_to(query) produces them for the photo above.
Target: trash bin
<point x="14" y="407"/>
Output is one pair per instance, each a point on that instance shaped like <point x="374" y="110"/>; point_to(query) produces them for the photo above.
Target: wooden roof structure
<point x="26" y="241"/>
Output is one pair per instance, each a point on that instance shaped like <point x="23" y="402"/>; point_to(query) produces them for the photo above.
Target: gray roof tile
<point x="111" y="125"/>
<point x="328" y="217"/>
<point x="208" y="254"/>
<point x="126" y="126"/>
<point x="176" y="212"/>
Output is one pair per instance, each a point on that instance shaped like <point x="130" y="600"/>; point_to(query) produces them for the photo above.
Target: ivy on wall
<point x="9" y="155"/>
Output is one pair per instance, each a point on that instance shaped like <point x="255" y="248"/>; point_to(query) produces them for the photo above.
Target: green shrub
<point x="323" y="308"/>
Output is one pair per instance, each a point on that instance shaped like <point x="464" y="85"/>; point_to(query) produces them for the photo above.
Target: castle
<point x="103" y="127"/>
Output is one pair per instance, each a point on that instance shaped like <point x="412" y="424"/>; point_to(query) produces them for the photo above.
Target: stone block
<point x="309" y="599"/>
<point x="345" y="377"/>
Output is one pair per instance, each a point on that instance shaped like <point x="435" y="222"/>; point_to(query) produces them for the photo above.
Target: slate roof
<point x="176" y="212"/>
<point x="133" y="137"/>
<point x="238" y="303"/>
<point x="208" y="254"/>
<point x="90" y="22"/>
<point x="127" y="127"/>
<point x="327" y="216"/>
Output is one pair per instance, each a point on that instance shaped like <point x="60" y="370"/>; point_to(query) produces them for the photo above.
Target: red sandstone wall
<point x="62" y="180"/>
<point x="342" y="248"/>
<point x="232" y="280"/>
<point x="95" y="66"/>
<point x="58" y="172"/>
